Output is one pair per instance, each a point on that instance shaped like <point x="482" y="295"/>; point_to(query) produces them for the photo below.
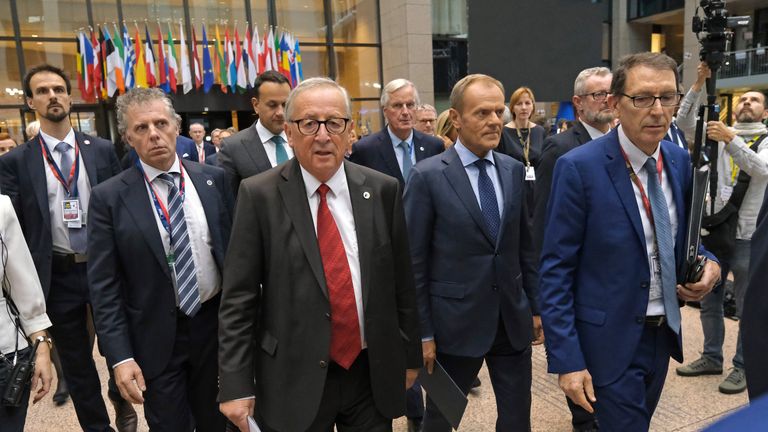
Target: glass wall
<point x="342" y="43"/>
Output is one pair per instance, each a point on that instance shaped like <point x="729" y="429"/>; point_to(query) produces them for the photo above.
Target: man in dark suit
<point x="396" y="148"/>
<point x="158" y="235"/>
<point x="318" y="321"/>
<point x="263" y="145"/>
<point x="590" y="99"/>
<point x="49" y="181"/>
<point x="202" y="148"/>
<point x="473" y="258"/>
<point x="615" y="235"/>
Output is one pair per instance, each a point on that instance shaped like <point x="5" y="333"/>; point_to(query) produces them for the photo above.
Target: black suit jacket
<point x="377" y="152"/>
<point x="23" y="179"/>
<point x="281" y="354"/>
<point x="554" y="147"/>
<point x="242" y="155"/>
<point x="754" y="319"/>
<point x="132" y="292"/>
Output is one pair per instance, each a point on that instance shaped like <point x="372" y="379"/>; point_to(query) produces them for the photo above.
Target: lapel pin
<point x="367" y="195"/>
<point x="421" y="148"/>
<point x="86" y="142"/>
<point x="209" y="182"/>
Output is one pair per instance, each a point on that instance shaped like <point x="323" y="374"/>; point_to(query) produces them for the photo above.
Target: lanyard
<point x="734" y="167"/>
<point x="636" y="180"/>
<point x="74" y="171"/>
<point x="526" y="145"/>
<point x="160" y="208"/>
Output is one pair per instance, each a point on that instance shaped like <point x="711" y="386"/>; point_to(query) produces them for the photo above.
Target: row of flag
<point x="110" y="63"/>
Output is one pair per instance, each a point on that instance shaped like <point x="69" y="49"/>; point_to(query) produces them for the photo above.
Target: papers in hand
<point x="448" y="397"/>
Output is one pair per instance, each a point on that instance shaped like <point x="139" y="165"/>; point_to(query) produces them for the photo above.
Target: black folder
<point x="444" y="393"/>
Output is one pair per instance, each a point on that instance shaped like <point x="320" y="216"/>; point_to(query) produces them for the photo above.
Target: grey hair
<point x="311" y="84"/>
<point x="196" y="123"/>
<point x="395" y="85"/>
<point x="140" y="96"/>
<point x="581" y="79"/>
<point x="426" y="107"/>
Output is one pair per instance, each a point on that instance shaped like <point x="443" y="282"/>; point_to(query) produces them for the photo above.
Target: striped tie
<point x="186" y="277"/>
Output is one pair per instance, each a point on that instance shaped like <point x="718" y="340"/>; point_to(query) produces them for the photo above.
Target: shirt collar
<point x="265" y="135"/>
<point x="636" y="156"/>
<point x="467" y="157"/>
<point x="396" y="141"/>
<point x="153" y="172"/>
<point x="593" y="132"/>
<point x="51" y="142"/>
<point x="337" y="183"/>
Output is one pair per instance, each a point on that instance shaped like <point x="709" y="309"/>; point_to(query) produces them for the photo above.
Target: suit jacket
<point x="594" y="265"/>
<point x="463" y="279"/>
<point x="242" y="155"/>
<point x="273" y="265"/>
<point x="208" y="148"/>
<point x="134" y="301"/>
<point x="754" y="320"/>
<point x="377" y="152"/>
<point x="23" y="179"/>
<point x="554" y="147"/>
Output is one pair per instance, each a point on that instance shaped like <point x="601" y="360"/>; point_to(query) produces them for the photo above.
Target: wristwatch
<point x="45" y="339"/>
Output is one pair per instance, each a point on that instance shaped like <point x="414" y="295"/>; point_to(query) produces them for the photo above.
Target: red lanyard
<point x="162" y="210"/>
<point x="74" y="170"/>
<point x="636" y="180"/>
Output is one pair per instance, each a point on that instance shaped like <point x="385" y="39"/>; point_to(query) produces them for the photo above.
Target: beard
<point x="747" y="116"/>
<point x="55" y="117"/>
<point x="602" y="116"/>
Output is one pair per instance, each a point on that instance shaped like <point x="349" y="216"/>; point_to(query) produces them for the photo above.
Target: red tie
<point x="345" y="327"/>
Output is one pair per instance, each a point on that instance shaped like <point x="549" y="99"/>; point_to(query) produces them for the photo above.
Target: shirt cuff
<point x="427" y="339"/>
<point x="123" y="361"/>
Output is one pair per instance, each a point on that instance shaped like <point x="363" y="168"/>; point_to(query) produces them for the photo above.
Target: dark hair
<point x="656" y="61"/>
<point x="45" y="68"/>
<point x="268" y="76"/>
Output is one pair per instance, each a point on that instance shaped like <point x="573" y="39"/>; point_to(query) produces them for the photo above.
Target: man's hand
<point x="429" y="349"/>
<point x="578" y="387"/>
<point x="43" y="375"/>
<point x="695" y="291"/>
<point x="237" y="411"/>
<point x="410" y="377"/>
<point x="538" y="331"/>
<point x="130" y="382"/>
<point x="702" y="73"/>
<point x="718" y="131"/>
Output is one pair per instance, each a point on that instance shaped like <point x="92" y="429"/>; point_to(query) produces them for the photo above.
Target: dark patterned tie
<point x="488" y="203"/>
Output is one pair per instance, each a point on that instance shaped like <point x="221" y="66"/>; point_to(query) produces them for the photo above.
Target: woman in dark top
<point x="523" y="139"/>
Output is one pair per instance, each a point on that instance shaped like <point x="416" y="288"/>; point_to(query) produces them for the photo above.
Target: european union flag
<point x="207" y="65"/>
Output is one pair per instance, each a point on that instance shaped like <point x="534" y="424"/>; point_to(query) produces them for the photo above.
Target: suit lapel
<point x="208" y="194"/>
<point x="418" y="148"/>
<point x="255" y="149"/>
<point x="508" y="182"/>
<point x="89" y="158"/>
<point x="33" y="157"/>
<point x="140" y="207"/>
<point x="581" y="134"/>
<point x="617" y="170"/>
<point x="294" y="195"/>
<point x="458" y="179"/>
<point x="362" y="210"/>
<point x="387" y="153"/>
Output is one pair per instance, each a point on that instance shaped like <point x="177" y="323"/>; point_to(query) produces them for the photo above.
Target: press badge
<point x="656" y="282"/>
<point x="72" y="214"/>
<point x="530" y="174"/>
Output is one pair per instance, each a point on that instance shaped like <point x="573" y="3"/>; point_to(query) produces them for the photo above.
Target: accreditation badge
<point x="72" y="213"/>
<point x="530" y="174"/>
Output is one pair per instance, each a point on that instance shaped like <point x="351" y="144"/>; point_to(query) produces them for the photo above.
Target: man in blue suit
<point x="615" y="231"/>
<point x="157" y="234"/>
<point x="472" y="252"/>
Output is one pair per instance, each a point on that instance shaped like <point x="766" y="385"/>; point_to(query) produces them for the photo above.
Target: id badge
<point x="726" y="192"/>
<point x="530" y="174"/>
<point x="71" y="213"/>
<point x="171" y="259"/>
<point x="656" y="282"/>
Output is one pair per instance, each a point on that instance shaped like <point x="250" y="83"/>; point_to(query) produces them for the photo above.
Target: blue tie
<point x="186" y="276"/>
<point x="280" y="154"/>
<point x="665" y="245"/>
<point x="406" y="158"/>
<point x="488" y="203"/>
<point x="78" y="237"/>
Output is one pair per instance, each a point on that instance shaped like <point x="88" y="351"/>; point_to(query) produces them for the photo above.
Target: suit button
<point x="328" y="316"/>
<point x="644" y="285"/>
<point x="495" y="287"/>
<point x="323" y="364"/>
<point x="640" y="319"/>
<point x="173" y="311"/>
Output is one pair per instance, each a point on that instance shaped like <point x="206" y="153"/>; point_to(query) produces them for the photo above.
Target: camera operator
<point x="22" y="319"/>
<point x="742" y="172"/>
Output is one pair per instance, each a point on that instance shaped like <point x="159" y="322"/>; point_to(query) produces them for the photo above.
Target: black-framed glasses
<point x="597" y="96"/>
<point x="667" y="100"/>
<point x="334" y="126"/>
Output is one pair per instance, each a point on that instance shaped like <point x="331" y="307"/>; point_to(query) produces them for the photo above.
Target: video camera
<point x="717" y="26"/>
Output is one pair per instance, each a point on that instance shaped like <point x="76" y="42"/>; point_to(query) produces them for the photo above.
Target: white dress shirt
<point x="269" y="146"/>
<point x="200" y="151"/>
<point x="399" y="151"/>
<point x="594" y="133"/>
<point x="340" y="205"/>
<point x="468" y="160"/>
<point x="637" y="159"/>
<point x="56" y="194"/>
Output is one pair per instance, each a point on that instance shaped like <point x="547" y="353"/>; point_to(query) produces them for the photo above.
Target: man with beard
<point x="743" y="159"/>
<point x="399" y="146"/>
<point x="49" y="180"/>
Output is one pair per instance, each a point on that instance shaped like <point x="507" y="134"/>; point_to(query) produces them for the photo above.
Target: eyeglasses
<point x="667" y="100"/>
<point x="399" y="106"/>
<point x="597" y="96"/>
<point x="334" y="126"/>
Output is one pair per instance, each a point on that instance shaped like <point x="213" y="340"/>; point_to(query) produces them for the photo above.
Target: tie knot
<point x="481" y="164"/>
<point x="404" y="145"/>
<point x="650" y="165"/>
<point x="323" y="190"/>
<point x="167" y="177"/>
<point x="277" y="139"/>
<point x="62" y="147"/>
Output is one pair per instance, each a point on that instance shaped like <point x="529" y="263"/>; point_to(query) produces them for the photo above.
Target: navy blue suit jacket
<point x="377" y="152"/>
<point x="23" y="179"/>
<point x="464" y="280"/>
<point x="594" y="266"/>
<point x="132" y="292"/>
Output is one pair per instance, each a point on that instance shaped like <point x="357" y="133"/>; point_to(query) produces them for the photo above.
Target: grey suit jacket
<point x="242" y="155"/>
<point x="274" y="320"/>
